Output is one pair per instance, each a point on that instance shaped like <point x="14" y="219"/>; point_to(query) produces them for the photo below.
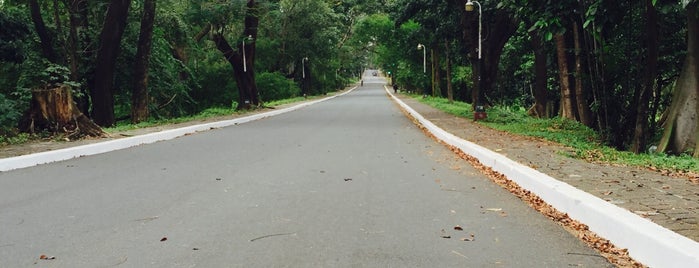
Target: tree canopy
<point x="627" y="69"/>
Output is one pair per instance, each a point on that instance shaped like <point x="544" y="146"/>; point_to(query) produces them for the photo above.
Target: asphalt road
<point x="348" y="182"/>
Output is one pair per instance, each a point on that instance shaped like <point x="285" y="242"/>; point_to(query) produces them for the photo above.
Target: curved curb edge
<point x="18" y="162"/>
<point x="647" y="242"/>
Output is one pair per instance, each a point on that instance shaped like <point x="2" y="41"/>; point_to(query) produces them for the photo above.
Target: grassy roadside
<point x="23" y="138"/>
<point x="583" y="140"/>
<point x="206" y="114"/>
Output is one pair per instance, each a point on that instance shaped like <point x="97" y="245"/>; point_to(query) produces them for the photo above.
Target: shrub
<point x="274" y="86"/>
<point x="9" y="114"/>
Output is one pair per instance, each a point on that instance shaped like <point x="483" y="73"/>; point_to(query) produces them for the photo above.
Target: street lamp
<point x="245" y="65"/>
<point x="469" y="7"/>
<point x="424" y="57"/>
<point x="303" y="67"/>
<point x="479" y="111"/>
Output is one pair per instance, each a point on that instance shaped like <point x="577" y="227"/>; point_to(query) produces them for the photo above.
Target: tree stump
<point x="53" y="110"/>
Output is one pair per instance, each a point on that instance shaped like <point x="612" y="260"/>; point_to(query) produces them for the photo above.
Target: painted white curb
<point x="24" y="161"/>
<point x="647" y="242"/>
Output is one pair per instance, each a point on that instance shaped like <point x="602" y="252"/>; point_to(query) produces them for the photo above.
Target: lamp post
<point x="245" y="64"/>
<point x="304" y="83"/>
<point x="303" y="67"/>
<point x="424" y="57"/>
<point x="479" y="111"/>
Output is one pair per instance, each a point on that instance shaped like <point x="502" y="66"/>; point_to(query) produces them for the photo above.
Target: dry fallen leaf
<point x="44" y="257"/>
<point x="163" y="239"/>
<point x="468" y="239"/>
<point x="444" y="234"/>
<point x="458" y="228"/>
<point x="494" y="209"/>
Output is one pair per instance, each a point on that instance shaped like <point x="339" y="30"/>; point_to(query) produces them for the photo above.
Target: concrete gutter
<point x="30" y="160"/>
<point x="647" y="242"/>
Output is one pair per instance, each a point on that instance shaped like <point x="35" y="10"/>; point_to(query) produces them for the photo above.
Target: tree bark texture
<point x="53" y="109"/>
<point x="652" y="44"/>
<point x="436" y="91"/>
<point x="540" y="77"/>
<point x="102" y="92"/>
<point x="139" y="96"/>
<point x="44" y="36"/>
<point x="584" y="112"/>
<point x="681" y="133"/>
<point x="447" y="56"/>
<point x="77" y="39"/>
<point x="567" y="102"/>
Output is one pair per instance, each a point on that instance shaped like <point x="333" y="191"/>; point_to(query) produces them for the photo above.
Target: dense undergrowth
<point x="585" y="142"/>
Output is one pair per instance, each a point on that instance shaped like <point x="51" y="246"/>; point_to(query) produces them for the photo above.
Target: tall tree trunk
<point x="78" y="24"/>
<point x="495" y="34"/>
<point x="436" y="91"/>
<point x="652" y="44"/>
<point x="102" y="93"/>
<point x="567" y="108"/>
<point x="242" y="60"/>
<point x="247" y="87"/>
<point x="450" y="89"/>
<point x="540" y="76"/>
<point x="583" y="108"/>
<point x="681" y="132"/>
<point x="139" y="97"/>
<point x="44" y="36"/>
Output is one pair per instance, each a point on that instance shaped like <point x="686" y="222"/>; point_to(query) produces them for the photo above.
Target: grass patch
<point x="585" y="142"/>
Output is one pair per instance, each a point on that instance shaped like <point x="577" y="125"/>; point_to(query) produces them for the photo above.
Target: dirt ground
<point x="669" y="201"/>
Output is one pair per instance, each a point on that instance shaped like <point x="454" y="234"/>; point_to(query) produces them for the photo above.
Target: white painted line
<point x="30" y="160"/>
<point x="647" y="242"/>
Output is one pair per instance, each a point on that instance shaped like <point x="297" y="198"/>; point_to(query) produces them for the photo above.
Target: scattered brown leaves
<point x="617" y="256"/>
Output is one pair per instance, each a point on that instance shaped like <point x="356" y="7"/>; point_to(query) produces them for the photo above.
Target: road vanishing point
<point x="347" y="182"/>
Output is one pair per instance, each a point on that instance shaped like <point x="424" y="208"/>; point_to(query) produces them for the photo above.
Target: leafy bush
<point x="9" y="114"/>
<point x="274" y="86"/>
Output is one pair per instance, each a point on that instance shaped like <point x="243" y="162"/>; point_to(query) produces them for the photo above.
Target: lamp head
<point x="420" y="46"/>
<point x="469" y="6"/>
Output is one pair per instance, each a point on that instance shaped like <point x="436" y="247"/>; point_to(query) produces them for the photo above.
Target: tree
<point x="139" y="103"/>
<point x="110" y="38"/>
<point x="43" y="33"/>
<point x="242" y="58"/>
<point x="652" y="45"/>
<point x="681" y="132"/>
<point x="498" y="26"/>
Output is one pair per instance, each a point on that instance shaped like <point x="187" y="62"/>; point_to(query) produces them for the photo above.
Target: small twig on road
<point x="266" y="236"/>
<point x="585" y="254"/>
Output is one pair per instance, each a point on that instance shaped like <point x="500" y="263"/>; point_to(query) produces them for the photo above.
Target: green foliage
<point x="274" y="86"/>
<point x="15" y="28"/>
<point x="19" y="138"/>
<point x="9" y="114"/>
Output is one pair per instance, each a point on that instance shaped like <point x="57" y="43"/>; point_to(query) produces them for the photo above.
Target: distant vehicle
<point x="374" y="74"/>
